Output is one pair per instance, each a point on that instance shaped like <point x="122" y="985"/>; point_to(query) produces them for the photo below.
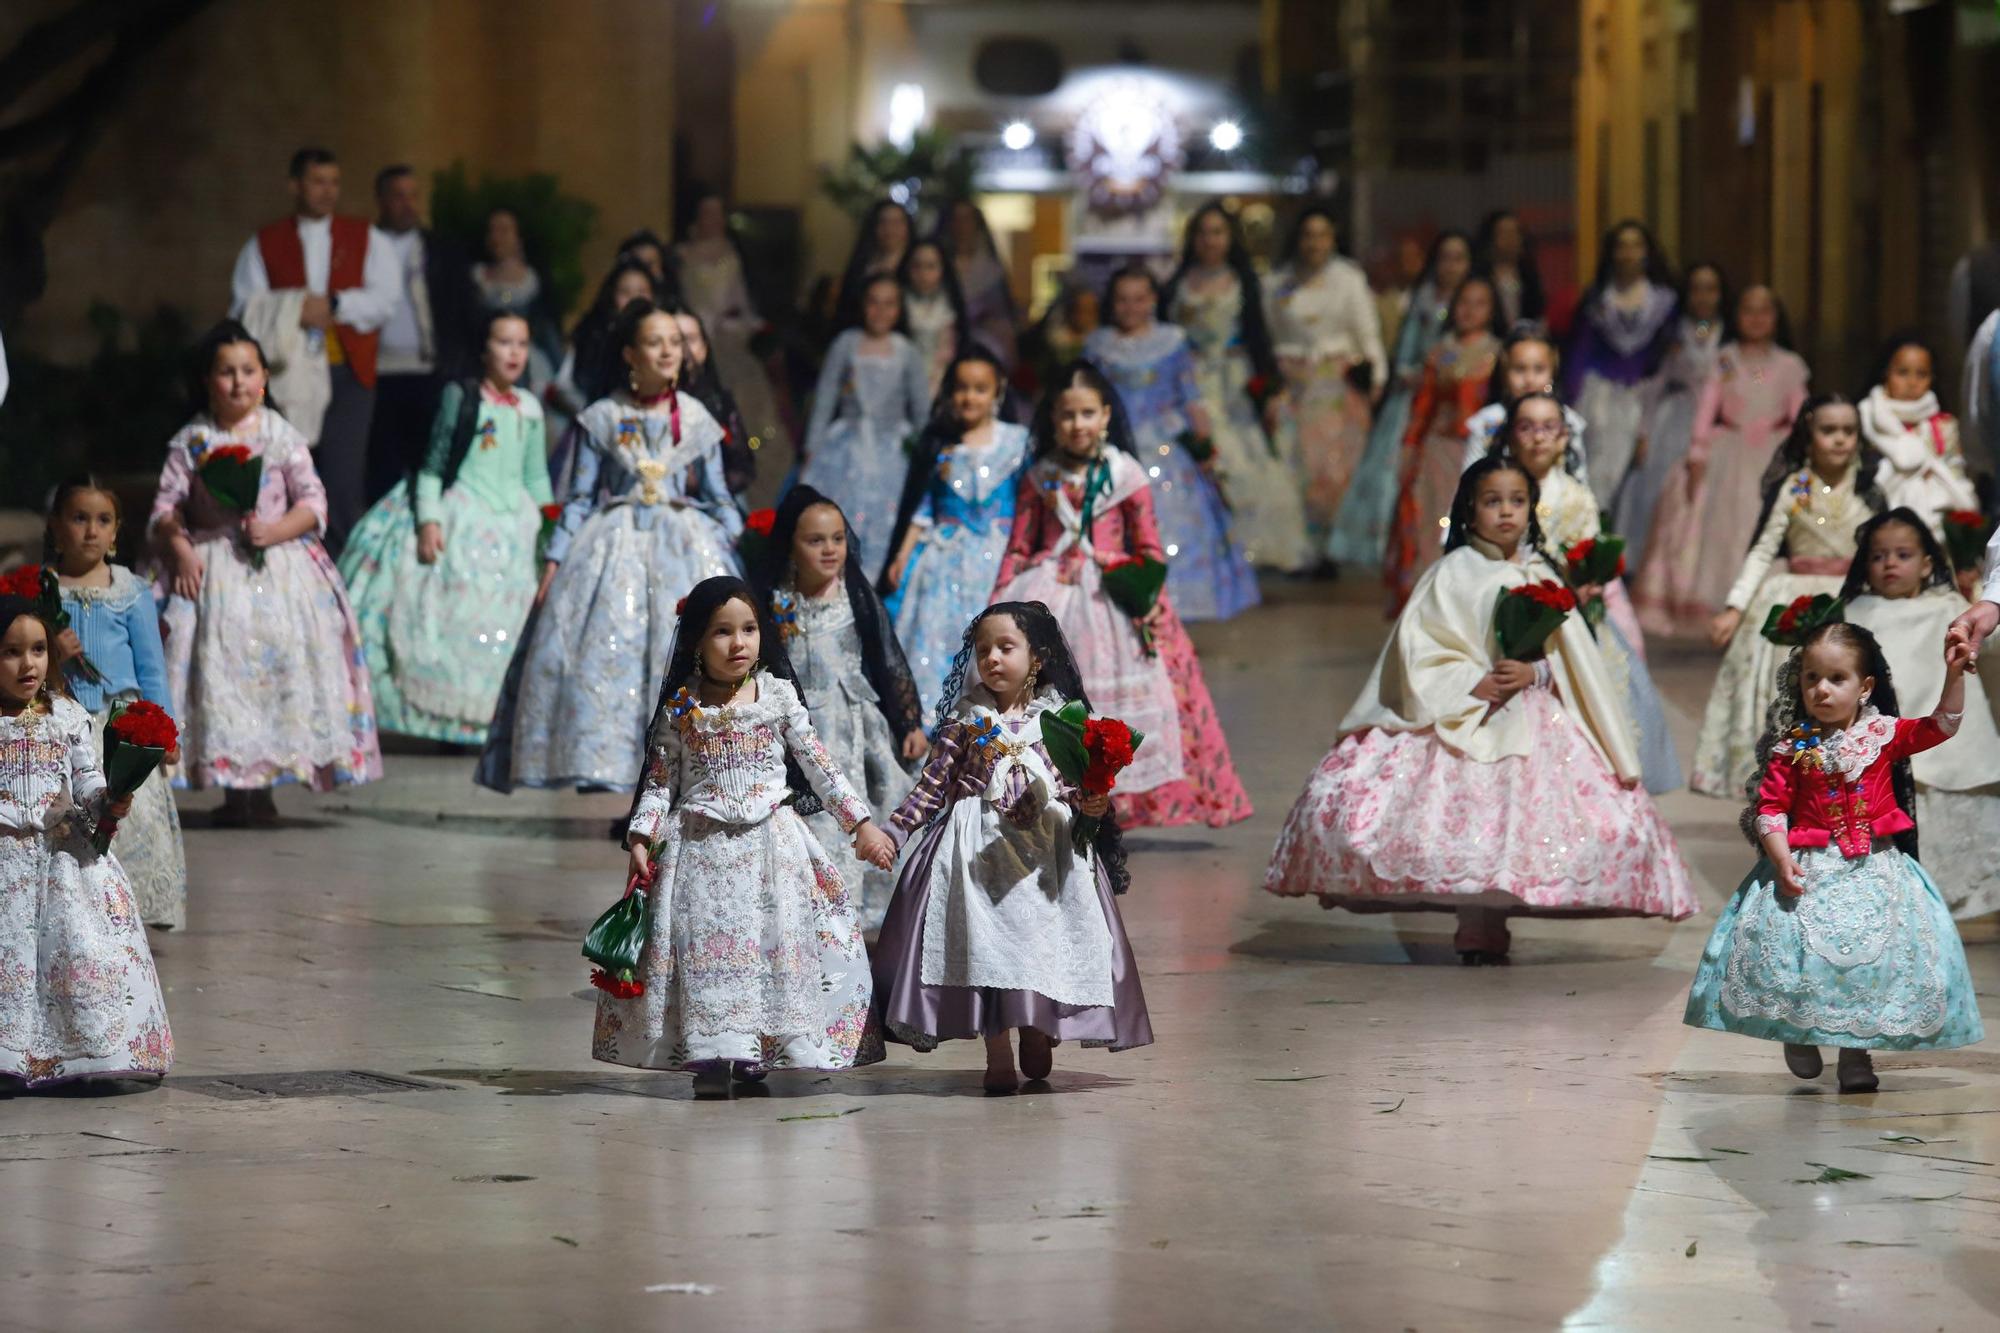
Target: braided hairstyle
<point x="1864" y="537"/>
<point x="1057" y="675"/>
<point x="1787" y="710"/>
<point x="1468" y="493"/>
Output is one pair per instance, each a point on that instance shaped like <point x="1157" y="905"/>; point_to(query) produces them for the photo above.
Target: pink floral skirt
<point x="1399" y="821"/>
<point x="1209" y="792"/>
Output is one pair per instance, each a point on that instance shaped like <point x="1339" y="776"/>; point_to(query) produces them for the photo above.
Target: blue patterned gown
<point x="1154" y="372"/>
<point x="863" y="411"/>
<point x="1360" y="534"/>
<point x="648" y="517"/>
<point x="964" y="520"/>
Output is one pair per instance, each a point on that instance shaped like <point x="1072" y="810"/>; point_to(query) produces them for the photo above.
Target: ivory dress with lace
<point x="1867" y="957"/>
<point x="754" y="955"/>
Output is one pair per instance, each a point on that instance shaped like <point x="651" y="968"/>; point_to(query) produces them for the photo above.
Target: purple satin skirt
<point x="921" y="1016"/>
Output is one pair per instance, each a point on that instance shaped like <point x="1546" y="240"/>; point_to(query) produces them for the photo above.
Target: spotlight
<point x="1018" y="136"/>
<point x="1226" y="137"/>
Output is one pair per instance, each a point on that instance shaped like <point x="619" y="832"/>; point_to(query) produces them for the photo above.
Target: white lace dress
<point x="754" y="954"/>
<point x="78" y="995"/>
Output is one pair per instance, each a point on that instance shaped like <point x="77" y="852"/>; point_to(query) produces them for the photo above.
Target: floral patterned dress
<point x="1360" y="533"/>
<point x="268" y="677"/>
<point x="1456" y="377"/>
<point x="1056" y="555"/>
<point x="78" y="995"/>
<point x="754" y="955"/>
<point x="439" y="636"/>
<point x="1323" y="324"/>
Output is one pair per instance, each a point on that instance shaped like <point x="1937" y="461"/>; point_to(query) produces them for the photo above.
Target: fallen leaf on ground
<point x="1391" y="1110"/>
<point x="1831" y="1175"/>
<point x="1302" y="1078"/>
<point x="1691" y="1247"/>
<point x="565" y="1240"/>
<point x="823" y="1115"/>
<point x="1661" y="1157"/>
<point x="491" y="1180"/>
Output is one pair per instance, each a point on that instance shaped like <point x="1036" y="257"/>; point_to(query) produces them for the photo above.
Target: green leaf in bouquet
<point x="1789" y="625"/>
<point x="1134" y="585"/>
<point x="1062" y="737"/>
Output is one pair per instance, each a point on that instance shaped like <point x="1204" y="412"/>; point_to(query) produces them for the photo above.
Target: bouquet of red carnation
<point x="1966" y="532"/>
<point x="1788" y="625"/>
<point x="1133" y="583"/>
<point x="1090" y="752"/>
<point x="38" y="584"/>
<point x="233" y="476"/>
<point x="1598" y="560"/>
<point x="1526" y="616"/>
<point x="137" y="740"/>
<point x="615" y="942"/>
<point x="754" y="545"/>
<point x="551" y="516"/>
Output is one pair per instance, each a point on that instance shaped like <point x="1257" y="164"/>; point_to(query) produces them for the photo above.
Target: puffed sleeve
<point x="1021" y="537"/>
<point x="1180" y="368"/>
<point x="1915" y="735"/>
<point x="713" y="497"/>
<point x="176" y="476"/>
<point x="86" y="779"/>
<point x="1367" y="322"/>
<point x="1774" y="796"/>
<point x="535" y="452"/>
<point x="584" y="469"/>
<point x="1142" y="525"/>
<point x="149" y="658"/>
<point x="824" y="775"/>
<point x="933" y="789"/>
<point x="302" y="483"/>
<point x="826" y="394"/>
<point x="437" y="454"/>
<point x="657" y="785"/>
<point x="1763" y="551"/>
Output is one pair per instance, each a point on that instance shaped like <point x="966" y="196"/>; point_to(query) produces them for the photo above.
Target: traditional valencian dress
<point x="998" y="922"/>
<point x="649" y="516"/>
<point x="1621" y="338"/>
<point x="1433" y="800"/>
<point x="439" y="636"/>
<point x="1155" y="376"/>
<point x="1067" y="527"/>
<point x="1667" y="426"/>
<point x="1958" y="783"/>
<point x="1923" y="468"/>
<point x="1360" y="533"/>
<point x="1867" y="957"/>
<point x="863" y="410"/>
<point x="120" y="632"/>
<point x="1740" y="421"/>
<point x="78" y="994"/>
<point x="963" y="520"/>
<point x="266" y="668"/>
<point x="1456" y="378"/>
<point x="754" y="955"/>
<point x="1323" y="324"/>
<point x="1803" y="549"/>
<point x="862" y="701"/>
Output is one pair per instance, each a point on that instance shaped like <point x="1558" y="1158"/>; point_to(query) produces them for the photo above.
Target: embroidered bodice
<point x="973" y="749"/>
<point x="1212" y="316"/>
<point x="891" y="393"/>
<point x="1835" y="790"/>
<point x="508" y="458"/>
<point x="973" y="484"/>
<point x="1326" y="314"/>
<point x="289" y="477"/>
<point x="48" y="770"/>
<point x="823" y="641"/>
<point x="1155" y="375"/>
<point x="632" y="455"/>
<point x="1747" y="393"/>
<point x="1048" y="516"/>
<point x="727" y="763"/>
<point x="1621" y="338"/>
<point x="1812" y="522"/>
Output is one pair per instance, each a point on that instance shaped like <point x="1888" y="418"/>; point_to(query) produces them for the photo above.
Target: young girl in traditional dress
<point x="116" y="628"/>
<point x="863" y="701"/>
<point x="934" y="310"/>
<point x="1361" y="531"/>
<point x="1456" y="378"/>
<point x="1706" y="516"/>
<point x="754" y="961"/>
<point x="1817" y="492"/>
<point x="1466" y="782"/>
<point x="1837" y="936"/>
<point x="1527" y="364"/>
<point x="648" y="517"/>
<point x="1923" y="467"/>
<point x="975" y="261"/>
<point x="1153" y="367"/>
<point x="264" y="658"/>
<point x="1900" y="590"/>
<point x="999" y="924"/>
<point x="81" y="999"/>
<point x="1667" y="424"/>
<point x="1085" y="504"/>
<point x="701" y="375"/>
<point x="956" y="514"/>
<point x="1328" y="340"/>
<point x="442" y="571"/>
<point x="1536" y="436"/>
<point x="1623" y="326"/>
<point x="709" y="267"/>
<point x="871" y="398"/>
<point x="1216" y="297"/>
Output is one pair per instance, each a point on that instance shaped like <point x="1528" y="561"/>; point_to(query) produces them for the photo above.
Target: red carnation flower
<point x="615" y="987"/>
<point x="234" y="453"/>
<point x="1580" y="552"/>
<point x="23" y="582"/>
<point x="761" y="521"/>
<point x="1550" y="594"/>
<point x="145" y="724"/>
<point x="551" y="513"/>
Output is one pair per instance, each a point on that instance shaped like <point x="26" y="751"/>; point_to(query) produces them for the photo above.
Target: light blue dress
<point x="865" y="409"/>
<point x="1154" y="372"/>
<point x="1360" y="533"/>
<point x="1867" y="958"/>
<point x="964" y="519"/>
<point x="648" y="517"/>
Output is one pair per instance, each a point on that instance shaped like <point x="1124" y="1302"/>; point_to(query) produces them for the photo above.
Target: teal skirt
<point x="1867" y="957"/>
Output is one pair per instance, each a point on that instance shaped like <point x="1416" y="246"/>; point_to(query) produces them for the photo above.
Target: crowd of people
<point x="464" y="528"/>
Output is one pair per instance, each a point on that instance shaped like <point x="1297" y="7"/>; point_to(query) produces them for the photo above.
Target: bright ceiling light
<point x="1226" y="137"/>
<point x="1018" y="136"/>
<point x="906" y="113"/>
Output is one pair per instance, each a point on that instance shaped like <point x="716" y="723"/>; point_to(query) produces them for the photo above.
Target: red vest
<point x="285" y="266"/>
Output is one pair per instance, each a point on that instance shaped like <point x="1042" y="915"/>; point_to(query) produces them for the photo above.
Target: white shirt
<point x="365" y="308"/>
<point x="406" y="339"/>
